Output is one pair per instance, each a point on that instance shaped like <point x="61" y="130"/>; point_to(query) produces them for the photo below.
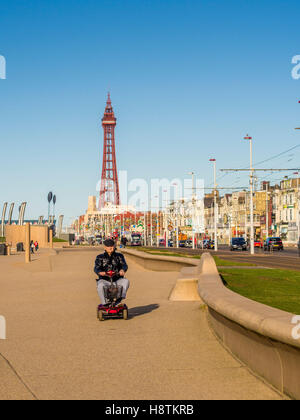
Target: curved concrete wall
<point x="260" y="336"/>
<point x="159" y="263"/>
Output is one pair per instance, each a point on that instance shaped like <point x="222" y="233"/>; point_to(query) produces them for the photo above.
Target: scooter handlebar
<point x="111" y="273"/>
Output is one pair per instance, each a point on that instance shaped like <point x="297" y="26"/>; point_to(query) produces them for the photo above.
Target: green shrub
<point x="59" y="240"/>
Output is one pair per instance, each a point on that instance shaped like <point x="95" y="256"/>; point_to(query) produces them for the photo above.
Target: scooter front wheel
<point x="125" y="314"/>
<point x="100" y="315"/>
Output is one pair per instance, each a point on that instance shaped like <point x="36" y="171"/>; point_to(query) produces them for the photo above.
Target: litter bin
<point x="3" y="249"/>
<point x="20" y="247"/>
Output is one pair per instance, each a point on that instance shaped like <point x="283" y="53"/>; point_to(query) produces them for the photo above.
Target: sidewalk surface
<point x="57" y="349"/>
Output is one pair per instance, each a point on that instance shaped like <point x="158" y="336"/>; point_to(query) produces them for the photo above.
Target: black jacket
<point x="105" y="263"/>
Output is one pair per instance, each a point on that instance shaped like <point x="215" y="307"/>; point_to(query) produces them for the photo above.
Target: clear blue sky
<point x="188" y="80"/>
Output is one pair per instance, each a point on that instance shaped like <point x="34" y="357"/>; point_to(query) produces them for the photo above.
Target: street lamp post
<point x="157" y="228"/>
<point x="54" y="203"/>
<point x="156" y="197"/>
<point x="297" y="200"/>
<point x="230" y="228"/>
<point x="267" y="211"/>
<point x="176" y="214"/>
<point x="193" y="206"/>
<point x="215" y="204"/>
<point x="50" y="198"/>
<point x="166" y="221"/>
<point x="246" y="217"/>
<point x="145" y="229"/>
<point x="251" y="196"/>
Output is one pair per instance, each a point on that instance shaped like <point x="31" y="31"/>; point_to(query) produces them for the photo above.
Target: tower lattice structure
<point x="109" y="192"/>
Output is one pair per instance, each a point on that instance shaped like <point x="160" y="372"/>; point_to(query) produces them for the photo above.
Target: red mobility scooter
<point x="112" y="294"/>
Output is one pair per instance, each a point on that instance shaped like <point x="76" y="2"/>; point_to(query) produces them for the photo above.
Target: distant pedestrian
<point x="36" y="246"/>
<point x="124" y="241"/>
<point x="32" y="247"/>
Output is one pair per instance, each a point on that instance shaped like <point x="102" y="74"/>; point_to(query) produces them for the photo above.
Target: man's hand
<point x="102" y="274"/>
<point x="122" y="273"/>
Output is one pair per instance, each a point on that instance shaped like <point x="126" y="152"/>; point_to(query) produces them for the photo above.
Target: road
<point x="57" y="349"/>
<point x="288" y="259"/>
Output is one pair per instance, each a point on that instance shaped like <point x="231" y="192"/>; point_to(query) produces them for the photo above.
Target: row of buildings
<point x="276" y="212"/>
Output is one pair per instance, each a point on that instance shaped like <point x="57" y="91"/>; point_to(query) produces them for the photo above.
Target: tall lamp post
<point x="267" y="211"/>
<point x="297" y="199"/>
<point x="251" y="195"/>
<point x="166" y="220"/>
<point x="215" y="204"/>
<point x="298" y="209"/>
<point x="50" y="197"/>
<point x="54" y="202"/>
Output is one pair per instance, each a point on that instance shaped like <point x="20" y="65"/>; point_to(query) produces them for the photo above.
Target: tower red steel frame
<point x="109" y="192"/>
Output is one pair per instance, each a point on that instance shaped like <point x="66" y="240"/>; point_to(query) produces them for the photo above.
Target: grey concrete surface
<point x="57" y="349"/>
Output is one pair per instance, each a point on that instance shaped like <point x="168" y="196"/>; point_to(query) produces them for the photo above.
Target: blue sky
<point x="188" y="80"/>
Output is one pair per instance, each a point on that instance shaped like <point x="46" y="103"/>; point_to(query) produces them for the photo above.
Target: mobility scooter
<point x="112" y="293"/>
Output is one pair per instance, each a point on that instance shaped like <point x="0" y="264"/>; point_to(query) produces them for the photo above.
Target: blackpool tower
<point x="109" y="192"/>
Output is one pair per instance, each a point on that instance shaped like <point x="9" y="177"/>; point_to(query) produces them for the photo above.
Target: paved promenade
<point x="57" y="349"/>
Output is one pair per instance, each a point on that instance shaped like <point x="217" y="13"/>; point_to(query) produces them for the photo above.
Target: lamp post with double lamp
<point x="252" y="250"/>
<point x="215" y="205"/>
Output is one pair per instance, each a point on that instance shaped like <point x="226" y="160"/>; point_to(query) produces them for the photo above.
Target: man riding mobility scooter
<point x="112" y="285"/>
<point x="113" y="295"/>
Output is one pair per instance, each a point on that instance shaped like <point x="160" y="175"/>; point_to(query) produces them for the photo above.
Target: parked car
<point x="136" y="240"/>
<point x="189" y="243"/>
<point x="171" y="243"/>
<point x="273" y="243"/>
<point x="162" y="242"/>
<point x="238" y="244"/>
<point x="258" y="244"/>
<point x="99" y="239"/>
<point x="182" y="244"/>
<point x="208" y="244"/>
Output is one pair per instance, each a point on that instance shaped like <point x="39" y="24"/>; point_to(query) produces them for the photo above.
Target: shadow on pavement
<point x="142" y="310"/>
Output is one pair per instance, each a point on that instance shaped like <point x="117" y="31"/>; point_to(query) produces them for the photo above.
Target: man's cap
<point x="109" y="242"/>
